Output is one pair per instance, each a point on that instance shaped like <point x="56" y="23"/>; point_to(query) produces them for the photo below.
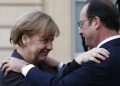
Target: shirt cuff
<point x="60" y="66"/>
<point x="25" y="69"/>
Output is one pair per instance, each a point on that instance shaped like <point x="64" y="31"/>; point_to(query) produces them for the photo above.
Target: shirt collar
<point x="107" y="40"/>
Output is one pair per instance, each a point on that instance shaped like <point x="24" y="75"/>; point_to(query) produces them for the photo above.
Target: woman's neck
<point x="24" y="54"/>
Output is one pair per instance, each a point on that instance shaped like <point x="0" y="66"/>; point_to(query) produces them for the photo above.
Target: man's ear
<point x="97" y="22"/>
<point x="25" y="40"/>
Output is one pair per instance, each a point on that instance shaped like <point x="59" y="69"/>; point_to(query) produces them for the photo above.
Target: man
<point x="99" y="22"/>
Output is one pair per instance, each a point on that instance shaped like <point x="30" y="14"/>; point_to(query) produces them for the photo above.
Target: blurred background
<point x="64" y="12"/>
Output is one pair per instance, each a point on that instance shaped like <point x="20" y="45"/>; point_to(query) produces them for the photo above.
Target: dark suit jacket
<point x="107" y="73"/>
<point x="17" y="79"/>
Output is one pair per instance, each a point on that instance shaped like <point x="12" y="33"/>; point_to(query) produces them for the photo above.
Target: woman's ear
<point x="25" y="40"/>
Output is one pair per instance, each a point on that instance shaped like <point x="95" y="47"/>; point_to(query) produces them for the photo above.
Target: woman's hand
<point x="92" y="55"/>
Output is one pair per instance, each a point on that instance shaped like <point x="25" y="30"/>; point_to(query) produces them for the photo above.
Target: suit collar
<point x="108" y="40"/>
<point x="110" y="43"/>
<point x="17" y="55"/>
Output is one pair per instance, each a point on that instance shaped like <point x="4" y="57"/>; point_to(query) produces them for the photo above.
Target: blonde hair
<point x="32" y="23"/>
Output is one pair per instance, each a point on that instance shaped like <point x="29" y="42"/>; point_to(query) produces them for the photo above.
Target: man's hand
<point x="13" y="64"/>
<point x="92" y="55"/>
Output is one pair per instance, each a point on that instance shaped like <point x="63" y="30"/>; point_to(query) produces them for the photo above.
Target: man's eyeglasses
<point x="81" y="23"/>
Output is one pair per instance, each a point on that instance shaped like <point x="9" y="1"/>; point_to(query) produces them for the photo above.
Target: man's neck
<point x="106" y="33"/>
<point x="103" y="34"/>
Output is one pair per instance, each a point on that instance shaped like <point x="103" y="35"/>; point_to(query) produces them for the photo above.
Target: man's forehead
<point x="83" y="12"/>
